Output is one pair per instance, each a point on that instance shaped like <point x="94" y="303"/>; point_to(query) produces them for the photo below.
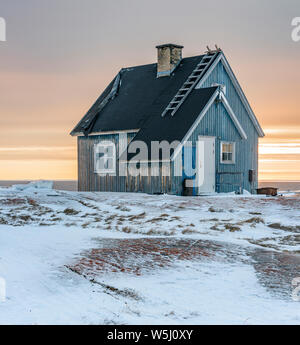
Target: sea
<point x="71" y="185"/>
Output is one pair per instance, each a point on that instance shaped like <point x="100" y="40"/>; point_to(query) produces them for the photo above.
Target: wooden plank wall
<point x="218" y="123"/>
<point x="88" y="180"/>
<point x="215" y="123"/>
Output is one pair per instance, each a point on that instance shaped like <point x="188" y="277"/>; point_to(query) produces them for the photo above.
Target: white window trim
<point x="105" y="171"/>
<point x="233" y="152"/>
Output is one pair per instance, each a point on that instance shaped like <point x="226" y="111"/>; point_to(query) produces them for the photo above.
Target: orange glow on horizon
<point x="278" y="160"/>
<point x="42" y="108"/>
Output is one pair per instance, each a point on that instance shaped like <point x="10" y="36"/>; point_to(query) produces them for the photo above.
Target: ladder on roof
<point x="190" y="83"/>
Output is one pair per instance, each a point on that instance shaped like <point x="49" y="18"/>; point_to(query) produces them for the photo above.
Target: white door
<point x="206" y="174"/>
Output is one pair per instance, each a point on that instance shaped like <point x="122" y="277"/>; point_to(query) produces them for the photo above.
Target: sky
<point x="59" y="55"/>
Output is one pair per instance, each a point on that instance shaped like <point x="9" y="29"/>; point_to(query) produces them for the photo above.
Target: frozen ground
<point x="94" y="258"/>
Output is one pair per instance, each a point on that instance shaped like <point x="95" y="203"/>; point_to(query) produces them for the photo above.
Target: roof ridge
<point x="155" y="63"/>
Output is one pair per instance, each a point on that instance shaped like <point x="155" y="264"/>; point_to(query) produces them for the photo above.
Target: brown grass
<point x="215" y="227"/>
<point x="14" y="201"/>
<point x="70" y="212"/>
<point x="252" y="220"/>
<point x="137" y="216"/>
<point x="32" y="202"/>
<point x="128" y="293"/>
<point x="212" y="209"/>
<point x="127" y="229"/>
<point x="189" y="231"/>
<point x="154" y="220"/>
<point x="279" y="226"/>
<point x="25" y="218"/>
<point x="136" y="255"/>
<point x="110" y="218"/>
<point x="3" y="221"/>
<point x="153" y="232"/>
<point x="209" y="220"/>
<point x="232" y="227"/>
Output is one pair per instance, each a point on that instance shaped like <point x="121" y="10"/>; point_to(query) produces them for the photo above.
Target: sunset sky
<point x="60" y="54"/>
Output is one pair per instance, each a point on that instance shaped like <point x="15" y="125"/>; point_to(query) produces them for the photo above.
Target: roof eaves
<point x="196" y="123"/>
<point x="233" y="117"/>
<point x="85" y="125"/>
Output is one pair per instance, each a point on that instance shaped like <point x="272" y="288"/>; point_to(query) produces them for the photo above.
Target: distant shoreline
<point x="71" y="185"/>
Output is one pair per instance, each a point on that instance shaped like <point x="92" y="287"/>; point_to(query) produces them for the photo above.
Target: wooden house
<point x="196" y="103"/>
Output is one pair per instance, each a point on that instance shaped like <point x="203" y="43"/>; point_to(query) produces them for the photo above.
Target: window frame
<point x="233" y="152"/>
<point x="113" y="157"/>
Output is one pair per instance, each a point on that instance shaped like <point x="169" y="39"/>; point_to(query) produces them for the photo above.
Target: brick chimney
<point x="168" y="57"/>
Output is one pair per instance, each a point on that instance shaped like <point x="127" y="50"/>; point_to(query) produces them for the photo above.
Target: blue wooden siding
<point x="246" y="150"/>
<point x="215" y="123"/>
<point x="88" y="180"/>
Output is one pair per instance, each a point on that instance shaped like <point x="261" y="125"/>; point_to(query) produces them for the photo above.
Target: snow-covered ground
<point x="94" y="258"/>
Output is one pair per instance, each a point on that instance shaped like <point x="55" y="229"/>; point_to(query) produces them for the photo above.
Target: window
<point x="105" y="158"/>
<point x="227" y="152"/>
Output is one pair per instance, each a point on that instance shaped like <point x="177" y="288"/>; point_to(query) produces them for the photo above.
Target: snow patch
<point x="34" y="185"/>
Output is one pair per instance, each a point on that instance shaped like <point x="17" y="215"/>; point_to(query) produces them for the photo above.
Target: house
<point x="181" y="125"/>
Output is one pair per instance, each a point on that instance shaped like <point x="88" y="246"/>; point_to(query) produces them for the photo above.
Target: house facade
<point x="179" y="124"/>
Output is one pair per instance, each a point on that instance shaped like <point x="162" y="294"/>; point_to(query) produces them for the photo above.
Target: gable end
<point x="221" y="58"/>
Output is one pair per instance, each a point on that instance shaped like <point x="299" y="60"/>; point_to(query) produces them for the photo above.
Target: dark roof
<point x="141" y="96"/>
<point x="171" y="128"/>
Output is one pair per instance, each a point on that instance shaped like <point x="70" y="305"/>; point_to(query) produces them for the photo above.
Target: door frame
<point x="203" y="138"/>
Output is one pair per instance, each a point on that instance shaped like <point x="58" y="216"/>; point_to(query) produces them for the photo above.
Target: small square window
<point x="227" y="152"/>
<point x="105" y="158"/>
